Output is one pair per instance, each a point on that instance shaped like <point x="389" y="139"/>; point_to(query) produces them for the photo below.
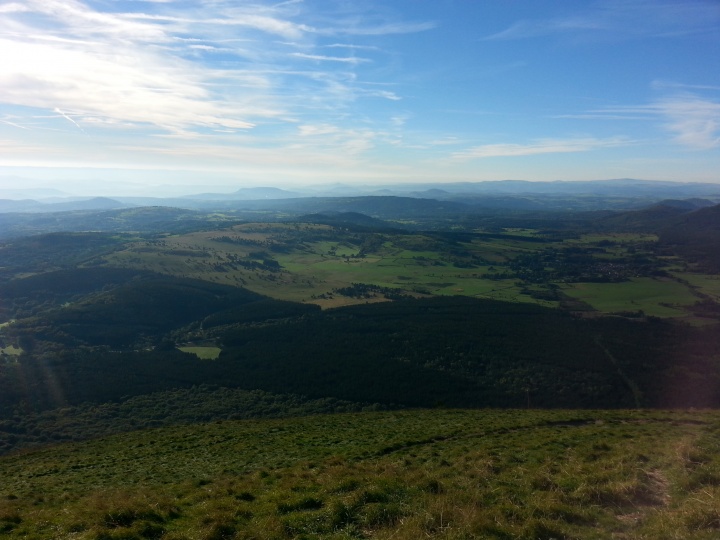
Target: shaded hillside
<point x="650" y="219"/>
<point x="696" y="237"/>
<point x="139" y="310"/>
<point x="350" y="220"/>
<point x="39" y="292"/>
<point x="46" y="252"/>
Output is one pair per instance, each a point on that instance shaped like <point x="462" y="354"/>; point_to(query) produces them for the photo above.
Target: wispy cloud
<point x="674" y="85"/>
<point x="351" y="46"/>
<point x="323" y="58"/>
<point x="385" y="94"/>
<point x="352" y="141"/>
<point x="694" y="121"/>
<point x="542" y="146"/>
<point x="379" y="30"/>
<point x="68" y="118"/>
<point x="623" y="19"/>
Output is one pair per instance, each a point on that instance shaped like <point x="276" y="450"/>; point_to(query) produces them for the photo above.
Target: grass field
<point x="204" y="353"/>
<point x="447" y="474"/>
<point x="11" y="350"/>
<point x="705" y="283"/>
<point x="656" y="297"/>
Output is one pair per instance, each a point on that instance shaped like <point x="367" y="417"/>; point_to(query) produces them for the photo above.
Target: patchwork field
<point x="310" y="263"/>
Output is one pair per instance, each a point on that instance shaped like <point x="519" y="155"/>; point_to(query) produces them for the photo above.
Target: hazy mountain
<point x="18" y="205"/>
<point x="96" y="203"/>
<point x="624" y="187"/>
<point x="9" y="189"/>
<point x="60" y="205"/>
<point x="249" y="194"/>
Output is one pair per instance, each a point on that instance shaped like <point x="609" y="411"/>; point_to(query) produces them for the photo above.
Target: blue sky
<point x="119" y="94"/>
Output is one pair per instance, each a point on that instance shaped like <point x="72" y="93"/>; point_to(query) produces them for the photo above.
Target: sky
<point x="123" y="95"/>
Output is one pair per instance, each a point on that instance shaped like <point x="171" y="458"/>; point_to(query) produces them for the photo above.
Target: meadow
<point x="450" y="474"/>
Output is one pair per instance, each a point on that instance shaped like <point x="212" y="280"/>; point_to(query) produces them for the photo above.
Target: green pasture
<point x="656" y="297"/>
<point x="406" y="269"/>
<point x="203" y="353"/>
<point x="11" y="350"/>
<point x="708" y="284"/>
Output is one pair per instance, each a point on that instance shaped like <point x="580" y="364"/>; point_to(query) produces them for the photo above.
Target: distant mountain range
<point x="60" y="205"/>
<point x="247" y="194"/>
<point x="458" y="197"/>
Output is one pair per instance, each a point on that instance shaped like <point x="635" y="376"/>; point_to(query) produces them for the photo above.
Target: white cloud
<point x="14" y="7"/>
<point x="392" y="96"/>
<point x="150" y="68"/>
<point x="694" y="121"/>
<point x="189" y="82"/>
<point x="321" y="129"/>
<point x="232" y="17"/>
<point x="117" y="84"/>
<point x="542" y="146"/>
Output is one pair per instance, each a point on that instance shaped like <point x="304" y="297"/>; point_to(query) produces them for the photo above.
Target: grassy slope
<point x="449" y="474"/>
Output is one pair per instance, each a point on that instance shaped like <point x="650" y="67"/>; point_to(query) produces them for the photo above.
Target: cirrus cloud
<point x="541" y="146"/>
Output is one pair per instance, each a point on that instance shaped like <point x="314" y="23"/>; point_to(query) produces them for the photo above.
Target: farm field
<point x="411" y="474"/>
